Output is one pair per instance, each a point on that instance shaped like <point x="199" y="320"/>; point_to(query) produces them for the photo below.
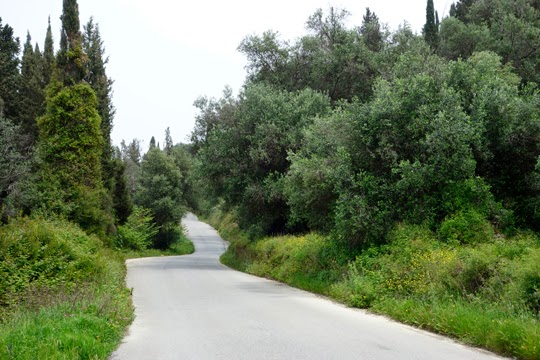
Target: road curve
<point x="192" y="307"/>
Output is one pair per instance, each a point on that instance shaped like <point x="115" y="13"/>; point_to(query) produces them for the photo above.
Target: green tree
<point x="152" y="143"/>
<point x="15" y="165"/>
<point x="131" y="157"/>
<point x="71" y="59"/>
<point x="168" y="142"/>
<point x="460" y="9"/>
<point x="509" y="28"/>
<point x="9" y="73"/>
<point x="49" y="60"/>
<point x="122" y="200"/>
<point x="70" y="150"/>
<point x="431" y="27"/>
<point x="371" y="31"/>
<point x="246" y="156"/>
<point x="32" y="91"/>
<point x="96" y="76"/>
<point x="331" y="59"/>
<point x="161" y="192"/>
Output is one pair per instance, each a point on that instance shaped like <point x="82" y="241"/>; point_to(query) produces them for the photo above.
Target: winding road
<point x="192" y="307"/>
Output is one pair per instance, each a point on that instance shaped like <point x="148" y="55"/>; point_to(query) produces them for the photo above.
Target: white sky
<point x="164" y="54"/>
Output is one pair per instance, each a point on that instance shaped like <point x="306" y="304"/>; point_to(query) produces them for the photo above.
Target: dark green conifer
<point x="168" y="142"/>
<point x="96" y="76"/>
<point x="9" y="73"/>
<point x="49" y="61"/>
<point x="431" y="29"/>
<point x="371" y="31"/>
<point x="71" y="57"/>
<point x="31" y="93"/>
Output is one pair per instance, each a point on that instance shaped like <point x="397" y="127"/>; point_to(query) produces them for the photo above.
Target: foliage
<point x="509" y="28"/>
<point x="161" y="192"/>
<point x="138" y="231"/>
<point x="71" y="59"/>
<point x="331" y="59"/>
<point x="9" y="74"/>
<point x="32" y="90"/>
<point x="14" y="166"/>
<point x="70" y="151"/>
<point x="44" y="253"/>
<point x="431" y="27"/>
<point x="62" y="294"/>
<point x="246" y="154"/>
<point x="483" y="293"/>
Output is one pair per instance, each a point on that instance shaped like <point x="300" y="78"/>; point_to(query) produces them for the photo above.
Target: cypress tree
<point x="70" y="140"/>
<point x="71" y="57"/>
<point x="32" y="95"/>
<point x="9" y="73"/>
<point x="431" y="30"/>
<point x="49" y="61"/>
<point x="96" y="77"/>
<point x="168" y="142"/>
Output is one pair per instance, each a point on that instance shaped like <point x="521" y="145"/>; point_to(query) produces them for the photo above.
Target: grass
<point x="484" y="292"/>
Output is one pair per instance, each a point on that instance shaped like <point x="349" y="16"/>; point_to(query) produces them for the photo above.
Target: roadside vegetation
<point x="73" y="207"/>
<point x="483" y="294"/>
<point x="391" y="171"/>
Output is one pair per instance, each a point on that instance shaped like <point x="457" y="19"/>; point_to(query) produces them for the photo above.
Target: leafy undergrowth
<point x="182" y="246"/>
<point x="62" y="294"/>
<point x="484" y="292"/>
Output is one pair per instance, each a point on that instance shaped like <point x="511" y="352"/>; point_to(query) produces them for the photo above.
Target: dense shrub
<point x="137" y="233"/>
<point x="45" y="253"/>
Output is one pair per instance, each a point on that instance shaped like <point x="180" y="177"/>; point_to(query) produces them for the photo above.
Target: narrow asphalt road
<point x="192" y="307"/>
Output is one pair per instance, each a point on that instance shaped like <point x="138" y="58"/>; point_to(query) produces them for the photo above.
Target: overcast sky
<point x="163" y="54"/>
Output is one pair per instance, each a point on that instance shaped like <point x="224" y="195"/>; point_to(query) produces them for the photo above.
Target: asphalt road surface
<point x="192" y="307"/>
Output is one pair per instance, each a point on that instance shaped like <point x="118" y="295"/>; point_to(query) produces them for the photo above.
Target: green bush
<point x="466" y="227"/>
<point x="167" y="235"/>
<point x="49" y="254"/>
<point x="529" y="281"/>
<point x="139" y="230"/>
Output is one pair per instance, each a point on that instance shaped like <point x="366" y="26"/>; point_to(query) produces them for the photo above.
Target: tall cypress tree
<point x="32" y="94"/>
<point x="70" y="140"/>
<point x="431" y="29"/>
<point x="71" y="57"/>
<point x="49" y="61"/>
<point x="9" y="73"/>
<point x="96" y="76"/>
<point x="168" y="141"/>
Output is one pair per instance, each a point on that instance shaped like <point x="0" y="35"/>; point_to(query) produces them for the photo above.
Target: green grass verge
<point x="485" y="294"/>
